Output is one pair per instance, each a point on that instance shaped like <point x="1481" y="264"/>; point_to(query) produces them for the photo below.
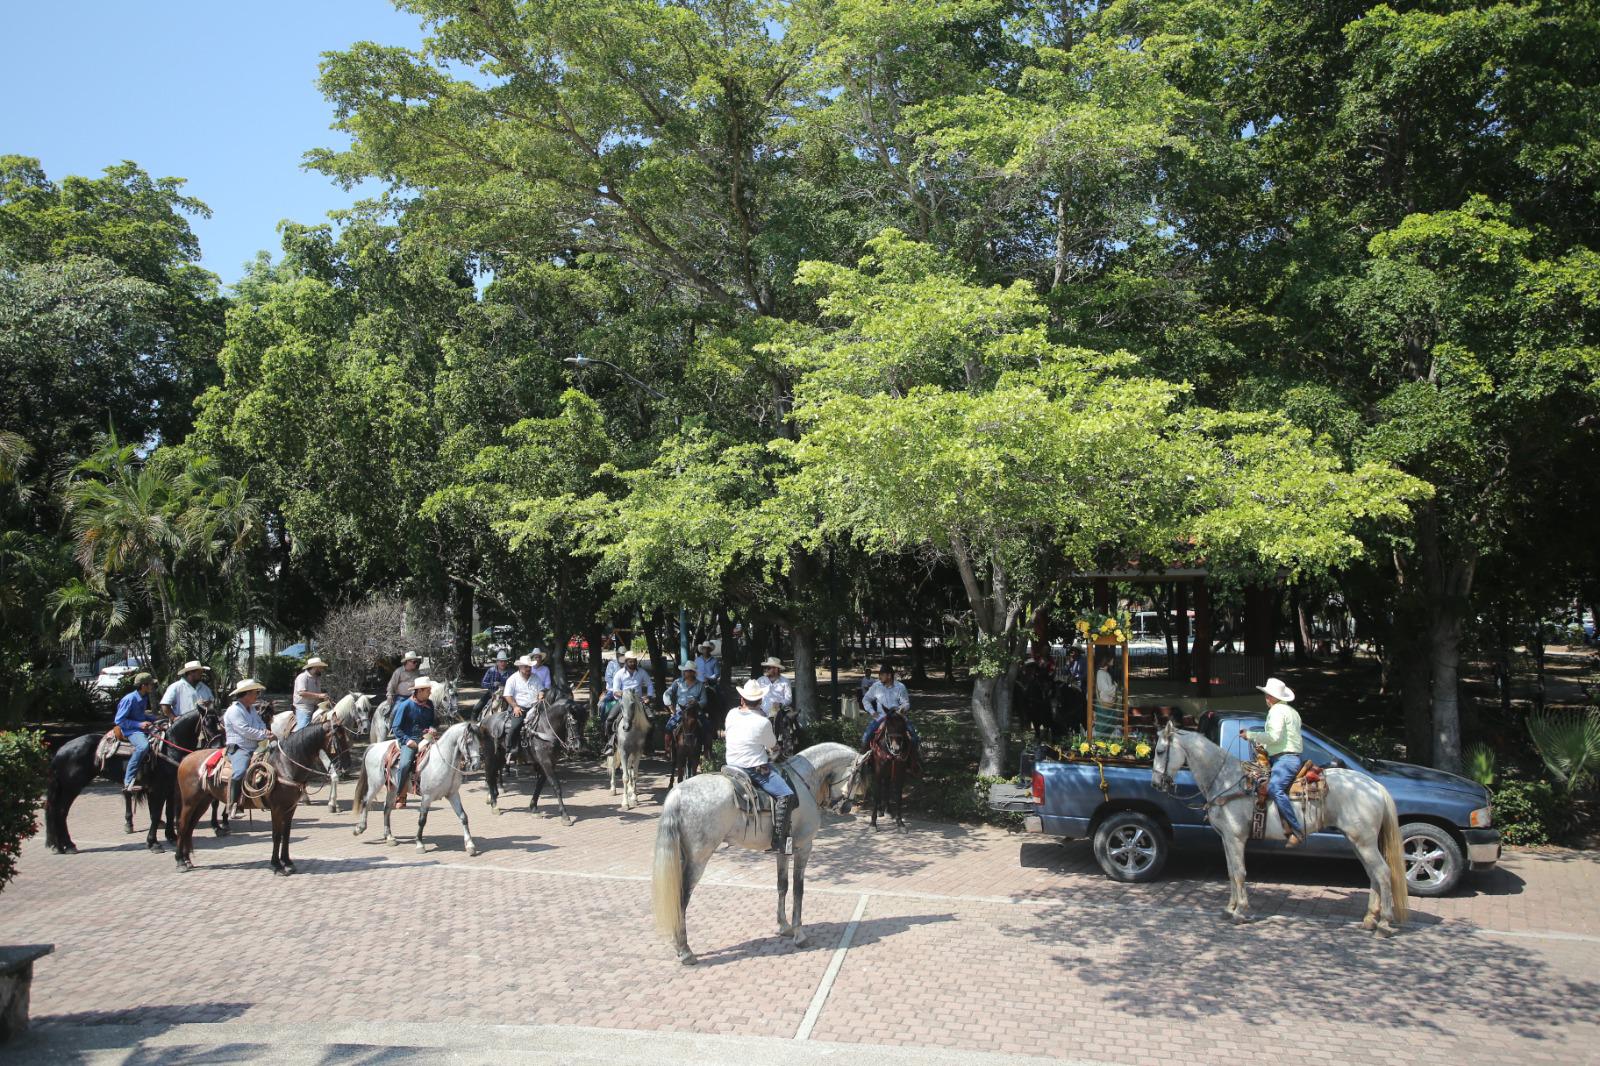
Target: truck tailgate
<point x="1005" y="796"/>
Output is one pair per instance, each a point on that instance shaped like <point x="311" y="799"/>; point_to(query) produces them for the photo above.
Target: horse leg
<point x="1380" y="899"/>
<point x="422" y="819"/>
<point x="783" y="894"/>
<point x="156" y="801"/>
<point x="461" y="816"/>
<point x="491" y="774"/>
<point x="127" y="812"/>
<point x="194" y="804"/>
<point x="555" y="783"/>
<point x="388" y="809"/>
<point x="219" y="828"/>
<point x="538" y="781"/>
<point x="877" y="794"/>
<point x="333" y="787"/>
<point x="802" y="853"/>
<point x="279" y="835"/>
<point x="1238" y="900"/>
<point x="899" y="796"/>
<point x="288" y="826"/>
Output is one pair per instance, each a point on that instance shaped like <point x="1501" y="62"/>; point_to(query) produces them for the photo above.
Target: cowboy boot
<point x="780" y="823"/>
<point x="236" y="795"/>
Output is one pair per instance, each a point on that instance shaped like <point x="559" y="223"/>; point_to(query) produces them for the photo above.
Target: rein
<point x="1210" y="801"/>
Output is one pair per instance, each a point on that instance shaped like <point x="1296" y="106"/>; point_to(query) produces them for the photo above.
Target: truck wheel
<point x="1434" y="861"/>
<point x="1130" y="846"/>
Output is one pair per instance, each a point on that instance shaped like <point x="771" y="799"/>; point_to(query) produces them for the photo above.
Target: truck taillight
<point x="1038" y="787"/>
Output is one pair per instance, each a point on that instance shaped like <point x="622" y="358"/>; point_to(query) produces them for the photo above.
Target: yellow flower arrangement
<point x="1083" y="749"/>
<point x="1114" y="749"/>
<point x="1142" y="750"/>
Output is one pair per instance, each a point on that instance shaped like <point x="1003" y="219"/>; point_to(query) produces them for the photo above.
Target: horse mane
<point x="300" y="746"/>
<point x="186" y="730"/>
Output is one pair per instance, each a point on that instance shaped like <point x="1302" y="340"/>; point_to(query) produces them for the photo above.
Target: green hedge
<point x="1526" y="812"/>
<point x="24" y="763"/>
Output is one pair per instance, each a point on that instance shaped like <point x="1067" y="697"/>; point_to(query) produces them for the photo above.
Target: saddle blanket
<point x="111" y="746"/>
<point x="392" y="757"/>
<point x="750" y="798"/>
<point x="216" y="771"/>
<point x="1307" y="792"/>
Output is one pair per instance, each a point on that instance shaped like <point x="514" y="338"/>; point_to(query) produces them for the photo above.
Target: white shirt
<point x="881" y="697"/>
<point x="1105" y="689"/>
<point x="522" y="691"/>
<point x="182" y="696"/>
<point x="750" y="737"/>
<point x="636" y="678"/>
<point x="775" y="694"/>
<point x="243" y="726"/>
<point x="308" y="690"/>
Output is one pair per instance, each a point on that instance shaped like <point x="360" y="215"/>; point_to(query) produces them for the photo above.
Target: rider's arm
<point x="1273" y="733"/>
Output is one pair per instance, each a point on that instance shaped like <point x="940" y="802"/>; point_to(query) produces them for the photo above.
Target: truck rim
<point x="1426" y="862"/>
<point x="1132" y="849"/>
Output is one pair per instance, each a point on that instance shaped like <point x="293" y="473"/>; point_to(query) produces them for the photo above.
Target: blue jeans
<point x="302" y="716"/>
<point x="866" y="738"/>
<point x="141" y="744"/>
<point x="1284" y="768"/>
<point x="402" y="767"/>
<point x="240" y="761"/>
<point x="769" y="781"/>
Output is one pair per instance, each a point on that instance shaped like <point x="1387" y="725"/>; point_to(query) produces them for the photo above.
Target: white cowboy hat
<point x="536" y="651"/>
<point x="410" y="656"/>
<point x="249" y="684"/>
<point x="772" y="661"/>
<point x="314" y="661"/>
<point x="752" y="690"/>
<point x="502" y="656"/>
<point x="706" y="645"/>
<point x="422" y="682"/>
<point x="688" y="665"/>
<point x="193" y="665"/>
<point x="631" y="654"/>
<point x="524" y="661"/>
<point x="1277" y="690"/>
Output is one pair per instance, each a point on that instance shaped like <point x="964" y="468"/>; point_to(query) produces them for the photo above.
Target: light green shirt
<point x="1283" y="730"/>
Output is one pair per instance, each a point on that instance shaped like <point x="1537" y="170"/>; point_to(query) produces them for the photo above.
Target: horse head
<point x="1168" y="758"/>
<point x="855" y="784"/>
<point x="470" y="750"/>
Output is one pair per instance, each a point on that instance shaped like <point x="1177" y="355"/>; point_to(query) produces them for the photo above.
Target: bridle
<point x="1165" y="782"/>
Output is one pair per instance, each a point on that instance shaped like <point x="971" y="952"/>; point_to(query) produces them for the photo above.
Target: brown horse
<point x="295" y="761"/>
<point x="684" y="745"/>
<point x="892" y="761"/>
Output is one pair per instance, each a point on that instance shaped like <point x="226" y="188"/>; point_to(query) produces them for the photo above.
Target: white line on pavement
<point x="814" y="1011"/>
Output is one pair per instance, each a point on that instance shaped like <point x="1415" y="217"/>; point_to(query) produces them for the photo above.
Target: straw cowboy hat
<point x="688" y="667"/>
<point x="422" y="682"/>
<point x="314" y="661"/>
<point x="192" y="665"/>
<point x="752" y="690"/>
<point x="502" y="656"/>
<point x="772" y="661"/>
<point x="410" y="657"/>
<point x="706" y="645"/>
<point x="536" y="652"/>
<point x="1277" y="690"/>
<point x="630" y="654"/>
<point x="249" y="684"/>
<point x="524" y="661"/>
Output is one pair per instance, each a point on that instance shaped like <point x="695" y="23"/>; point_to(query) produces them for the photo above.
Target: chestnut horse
<point x="296" y="761"/>
<point x="891" y="762"/>
<point x="684" y="745"/>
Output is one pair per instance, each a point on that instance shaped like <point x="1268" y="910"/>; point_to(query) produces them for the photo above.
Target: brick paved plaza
<point x="943" y="937"/>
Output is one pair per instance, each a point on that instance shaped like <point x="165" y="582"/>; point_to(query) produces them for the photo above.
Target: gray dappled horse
<point x="551" y="724"/>
<point x="445" y="711"/>
<point x="353" y="713"/>
<point x="701" y="814"/>
<point x="632" y="733"/>
<point x="440" y="777"/>
<point x="1356" y="804"/>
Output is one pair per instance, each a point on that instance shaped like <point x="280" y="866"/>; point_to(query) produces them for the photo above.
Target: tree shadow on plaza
<point x="1177" y="962"/>
<point x="824" y="936"/>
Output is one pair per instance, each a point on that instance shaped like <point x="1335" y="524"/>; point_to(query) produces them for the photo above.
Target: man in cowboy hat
<point x="687" y="689"/>
<point x="885" y="695"/>
<point x="133" y="718"/>
<point x="631" y="676"/>
<point x="412" y="721"/>
<point x="308" y="694"/>
<point x="189" y="691"/>
<point x="776" y="693"/>
<point x="523" y="693"/>
<point x="404" y="677"/>
<point x="243" y="732"/>
<point x="1281" y="738"/>
<point x="540" y="672"/>
<point x="750" y="744"/>
<point x="707" y="665"/>
<point x="494" y="679"/>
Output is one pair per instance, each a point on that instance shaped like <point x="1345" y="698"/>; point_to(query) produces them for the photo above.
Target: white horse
<point x="701" y="813"/>
<point x="445" y="710"/>
<point x="353" y="712"/>
<point x="439" y="777"/>
<point x="1355" y="804"/>
<point x="632" y="730"/>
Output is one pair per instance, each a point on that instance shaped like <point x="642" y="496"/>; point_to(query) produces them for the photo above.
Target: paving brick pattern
<point x="969" y="938"/>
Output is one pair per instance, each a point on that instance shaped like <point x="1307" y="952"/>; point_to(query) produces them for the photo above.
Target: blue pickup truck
<point x="1445" y="821"/>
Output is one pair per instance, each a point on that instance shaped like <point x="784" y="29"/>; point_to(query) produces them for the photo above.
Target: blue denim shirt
<point x="681" y="692"/>
<point x="494" y="677"/>
<point x="411" y="719"/>
<point x="133" y="712"/>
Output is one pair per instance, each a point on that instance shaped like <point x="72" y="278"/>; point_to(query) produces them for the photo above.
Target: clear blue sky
<point x="221" y="92"/>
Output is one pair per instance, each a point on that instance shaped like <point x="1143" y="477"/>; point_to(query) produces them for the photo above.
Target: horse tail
<point x="361" y="788"/>
<point x="666" y="880"/>
<point x="1389" y="844"/>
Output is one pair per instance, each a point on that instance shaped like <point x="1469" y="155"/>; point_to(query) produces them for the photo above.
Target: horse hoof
<point x="393" y="842"/>
<point x="472" y="849"/>
<point x="279" y="871"/>
<point x="421" y="848"/>
<point x="333" y="808"/>
<point x="1241" y="918"/>
<point x="1369" y="923"/>
<point x="127" y="827"/>
<point x="155" y="846"/>
<point x="569" y="820"/>
<point x="687" y="958"/>
<point x="184" y="866"/>
<point x="1384" y="932"/>
<point x="220" y="830"/>
<point x="799" y="939"/>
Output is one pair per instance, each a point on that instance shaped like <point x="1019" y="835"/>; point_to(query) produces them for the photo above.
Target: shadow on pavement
<point x="823" y="936"/>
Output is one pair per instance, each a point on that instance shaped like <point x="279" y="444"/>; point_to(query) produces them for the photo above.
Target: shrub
<point x="277" y="672"/>
<point x="1527" y="812"/>
<point x="23" y="765"/>
<point x="1569" y="744"/>
<point x="1480" y="764"/>
<point x="1372" y="744"/>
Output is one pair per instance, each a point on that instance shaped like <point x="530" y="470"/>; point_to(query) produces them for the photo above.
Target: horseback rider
<point x="884" y="696"/>
<point x="244" y="731"/>
<point x="525" y="690"/>
<point x="188" y="692"/>
<point x="630" y="677"/>
<point x="687" y="689"/>
<point x="750" y="742"/>
<point x="1281" y="738"/>
<point x="707" y="665"/>
<point x="308" y="694"/>
<point x="403" y="680"/>
<point x="606" y="699"/>
<point x="133" y="718"/>
<point x="411" y="724"/>
<point x="494" y="679"/>
<point x="777" y="696"/>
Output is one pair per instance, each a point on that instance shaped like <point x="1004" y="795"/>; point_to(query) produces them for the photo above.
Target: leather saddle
<point x="751" y="800"/>
<point x="392" y="757"/>
<point x="217" y="773"/>
<point x="112" y="746"/>
<point x="1308" y="788"/>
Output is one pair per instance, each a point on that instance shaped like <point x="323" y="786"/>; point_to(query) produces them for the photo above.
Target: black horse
<point x="551" y="725"/>
<point x="73" y="767"/>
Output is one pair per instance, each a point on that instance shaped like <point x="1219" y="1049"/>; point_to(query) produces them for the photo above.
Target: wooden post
<point x="1088" y="686"/>
<point x="1125" y="694"/>
<point x="1202" y="639"/>
<point x="1180" y="597"/>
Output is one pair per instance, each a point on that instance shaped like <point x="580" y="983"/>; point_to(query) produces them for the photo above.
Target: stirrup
<point x="1294" y="840"/>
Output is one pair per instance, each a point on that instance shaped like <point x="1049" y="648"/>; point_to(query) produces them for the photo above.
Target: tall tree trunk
<point x="919" y="669"/>
<point x="1444" y="653"/>
<point x="652" y="641"/>
<point x="595" y="634"/>
<point x="805" y="671"/>
<point x="1415" y="676"/>
<point x="1299" y="632"/>
<point x="991" y="738"/>
<point x="459" y="595"/>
